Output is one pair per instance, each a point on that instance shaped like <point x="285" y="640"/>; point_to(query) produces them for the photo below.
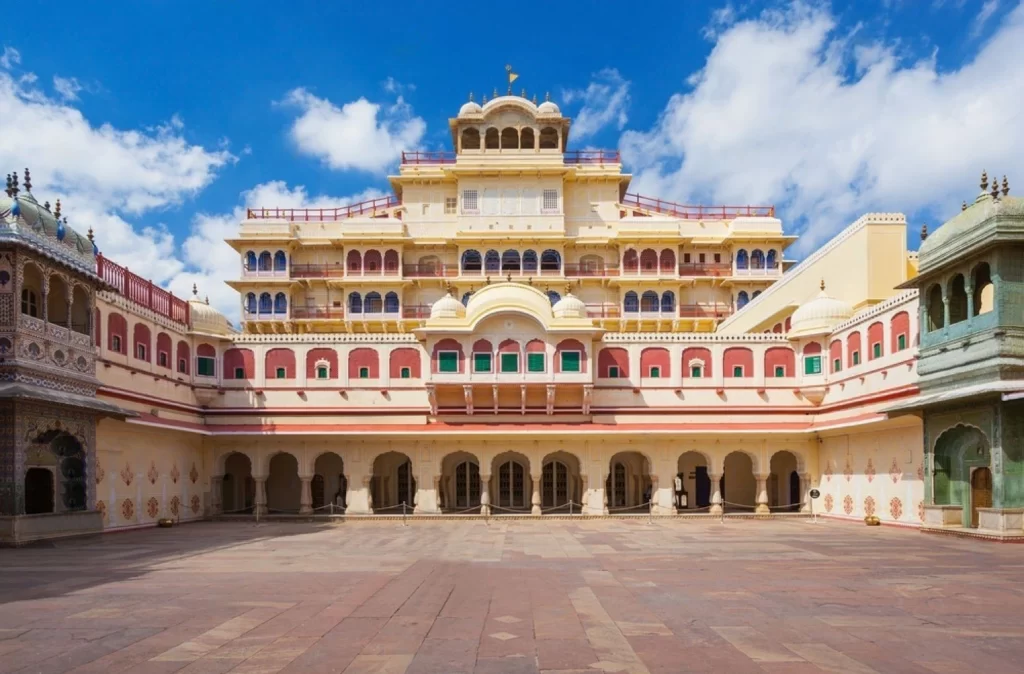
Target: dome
<point x="205" y="318"/>
<point x="470" y="108"/>
<point x="819" y="316"/>
<point x="570" y="306"/>
<point x="548" y="108"/>
<point x="447" y="307"/>
<point x="23" y="213"/>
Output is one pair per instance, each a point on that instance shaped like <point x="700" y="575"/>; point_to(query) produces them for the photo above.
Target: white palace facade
<point x="511" y="332"/>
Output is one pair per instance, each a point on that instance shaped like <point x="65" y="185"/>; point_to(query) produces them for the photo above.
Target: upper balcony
<point x="685" y="212"/>
<point x="371" y="208"/>
<point x="581" y="158"/>
<point x="142" y="292"/>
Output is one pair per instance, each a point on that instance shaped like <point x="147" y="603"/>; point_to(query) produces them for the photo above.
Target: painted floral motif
<point x="848" y="470"/>
<point x="175" y="506"/>
<point x="102" y="508"/>
<point x="152" y="474"/>
<point x="127" y="475"/>
<point x="100" y="473"/>
<point x="152" y="507"/>
<point x="848" y="504"/>
<point x="894" y="471"/>
<point x="920" y="510"/>
<point x="829" y="502"/>
<point x="896" y="508"/>
<point x="869" y="506"/>
<point x="127" y="509"/>
<point x="828" y="470"/>
<point x="196" y="504"/>
<point x="193" y="474"/>
<point x="920" y="471"/>
<point x="175" y="473"/>
<point x="870" y="470"/>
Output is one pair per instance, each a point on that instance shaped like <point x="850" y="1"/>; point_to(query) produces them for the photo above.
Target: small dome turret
<point x="547" y="107"/>
<point x="569" y="306"/>
<point x="447" y="307"/>
<point x="205" y="318"/>
<point x="470" y="108"/>
<point x="819" y="316"/>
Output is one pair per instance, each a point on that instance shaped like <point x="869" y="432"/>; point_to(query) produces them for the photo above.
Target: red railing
<point x="590" y="270"/>
<point x="318" y="312"/>
<point x="324" y="214"/>
<point x="717" y="310"/>
<point x="696" y="212"/>
<point x="604" y="311"/>
<point x="705" y="269"/>
<point x="416" y="311"/>
<point x="429" y="270"/>
<point x="142" y="292"/>
<point x="428" y="157"/>
<point x="317" y="270"/>
<point x="593" y="157"/>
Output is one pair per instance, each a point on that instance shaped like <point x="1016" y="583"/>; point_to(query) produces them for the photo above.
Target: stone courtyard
<point x="516" y="596"/>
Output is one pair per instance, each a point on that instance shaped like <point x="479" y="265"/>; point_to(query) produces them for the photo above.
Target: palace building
<point x="513" y="331"/>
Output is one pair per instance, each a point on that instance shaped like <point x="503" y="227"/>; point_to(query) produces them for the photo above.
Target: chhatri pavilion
<point x="514" y="332"/>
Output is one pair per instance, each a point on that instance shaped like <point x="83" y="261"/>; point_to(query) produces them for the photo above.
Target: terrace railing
<point x="368" y="207"/>
<point x="142" y="292"/>
<point x="696" y="212"/>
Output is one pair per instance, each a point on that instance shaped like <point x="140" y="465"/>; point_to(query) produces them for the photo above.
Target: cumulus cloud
<point x="358" y="135"/>
<point x="66" y="87"/>
<point x="10" y="58"/>
<point x="776" y="117"/>
<point x="605" y="102"/>
<point x="984" y="14"/>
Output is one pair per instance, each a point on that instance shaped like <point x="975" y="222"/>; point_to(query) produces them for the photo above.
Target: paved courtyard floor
<point x="448" y="597"/>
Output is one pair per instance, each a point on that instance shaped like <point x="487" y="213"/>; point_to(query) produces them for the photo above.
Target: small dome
<point x="548" y="108"/>
<point x="25" y="213"/>
<point x="470" y="108"/>
<point x="205" y="318"/>
<point x="570" y="306"/>
<point x="819" y="316"/>
<point x="447" y="307"/>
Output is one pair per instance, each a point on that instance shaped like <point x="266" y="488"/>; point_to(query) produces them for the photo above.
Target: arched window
<point x="526" y="140"/>
<point x="668" y="260"/>
<point x="391" y="303"/>
<point x="471" y="139"/>
<point x="548" y="138"/>
<point x="756" y="259"/>
<point x="649" y="301"/>
<point x="741" y="259"/>
<point x="354" y="261"/>
<point x="756" y="293"/>
<point x="936" y="311"/>
<point x="553" y="297"/>
<point x="372" y="261"/>
<point x="29" y="303"/>
<point x="492" y="261"/>
<point x="266" y="261"/>
<point x="266" y="303"/>
<point x="250" y="303"/>
<point x="957" y="300"/>
<point x="770" y="261"/>
<point x="373" y="303"/>
<point x="550" y="260"/>
<point x="984" y="290"/>
<point x="355" y="303"/>
<point x="630" y="260"/>
<point x="491" y="139"/>
<point x="649" y="259"/>
<point x="280" y="303"/>
<point x="510" y="260"/>
<point x="280" y="261"/>
<point x="391" y="261"/>
<point x="509" y="138"/>
<point x="250" y="261"/>
<point x="465" y="298"/>
<point x="668" y="302"/>
<point x="741" y="299"/>
<point x="630" y="303"/>
<point x="530" y="260"/>
<point x="471" y="261"/>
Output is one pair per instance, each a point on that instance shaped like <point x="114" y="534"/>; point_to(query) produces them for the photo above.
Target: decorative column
<point x="260" y="498"/>
<point x="945" y="311"/>
<point x="604" y="493"/>
<point x="969" y="289"/>
<point x="805" y="492"/>
<point x="306" y="495"/>
<point x="716" y="494"/>
<point x="535" y="500"/>
<point x="216" y="492"/>
<point x="485" y="497"/>
<point x="367" y="483"/>
<point x="762" y="495"/>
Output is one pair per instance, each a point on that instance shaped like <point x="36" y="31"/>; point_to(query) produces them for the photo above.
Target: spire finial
<point x="984" y="180"/>
<point x="495" y="92"/>
<point x="568" y="287"/>
<point x="509" y="277"/>
<point x="56" y="210"/>
<point x="90" y="231"/>
<point x="448" y="287"/>
<point x="14" y="184"/>
<point x="547" y="96"/>
<point x="822" y="285"/>
<point x="207" y="299"/>
<point x="485" y="99"/>
<point x="471" y="97"/>
<point x="1006" y="187"/>
<point x="522" y="94"/>
<point x="10" y="193"/>
<point x="995" y="189"/>
<point x="28" y="180"/>
<point x="963" y="206"/>
<point x="195" y="290"/>
<point x="535" y="99"/>
<point x="924" y="230"/>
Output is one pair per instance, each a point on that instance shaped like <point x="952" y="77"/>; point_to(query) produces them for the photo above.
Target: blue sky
<point x="157" y="122"/>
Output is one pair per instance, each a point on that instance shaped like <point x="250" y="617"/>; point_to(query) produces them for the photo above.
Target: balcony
<point x="142" y="292"/>
<point x="584" y="270"/>
<point x="716" y="310"/>
<point x="337" y="270"/>
<point x="696" y="212"/>
<point x="759" y="272"/>
<point x="321" y="312"/>
<point x="370" y="207"/>
<point x="514" y="273"/>
<point x="705" y="269"/>
<point x="571" y="157"/>
<point x="254" y="272"/>
<point x="628" y="270"/>
<point x="429" y="270"/>
<point x="593" y="157"/>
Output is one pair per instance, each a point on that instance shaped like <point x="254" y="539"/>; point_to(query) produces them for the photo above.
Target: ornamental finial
<point x="448" y="287"/>
<point x="485" y="99"/>
<point x="522" y="94"/>
<point x="963" y="206"/>
<point x="822" y="285"/>
<point x="535" y="99"/>
<point x="995" y="189"/>
<point x="10" y="193"/>
<point x="984" y="180"/>
<point x="509" y="277"/>
<point x="195" y="290"/>
<point x="56" y="210"/>
<point x="471" y="97"/>
<point x="207" y="299"/>
<point x="568" y="288"/>
<point x="924" y="230"/>
<point x="495" y="94"/>
<point x="28" y="181"/>
<point x="90" y="234"/>
<point x="1006" y="187"/>
<point x="14" y="184"/>
<point x="547" y="96"/>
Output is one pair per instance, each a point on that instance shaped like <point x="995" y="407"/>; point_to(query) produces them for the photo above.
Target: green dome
<point x="964" y="230"/>
<point x="23" y="214"/>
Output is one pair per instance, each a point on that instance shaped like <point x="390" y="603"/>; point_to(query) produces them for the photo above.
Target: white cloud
<point x="605" y="101"/>
<point x="358" y="135"/>
<point x="984" y="14"/>
<point x="721" y="18"/>
<point x="775" y="117"/>
<point x="66" y="87"/>
<point x="10" y="58"/>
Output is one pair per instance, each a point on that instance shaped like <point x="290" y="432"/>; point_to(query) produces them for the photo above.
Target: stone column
<point x="805" y="492"/>
<point x="604" y="493"/>
<point x="535" y="500"/>
<point x="969" y="289"/>
<point x="216" y="493"/>
<point x="485" y="496"/>
<point x="368" y="490"/>
<point x="762" y="495"/>
<point x="260" y="498"/>
<point x="306" y="495"/>
<point x="716" y="494"/>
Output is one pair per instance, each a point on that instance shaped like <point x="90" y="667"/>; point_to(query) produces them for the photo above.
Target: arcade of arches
<point x="511" y="481"/>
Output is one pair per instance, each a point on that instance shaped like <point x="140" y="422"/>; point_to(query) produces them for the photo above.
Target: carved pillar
<point x="716" y="494"/>
<point x="367" y="488"/>
<point x="216" y="492"/>
<point x="805" y="492"/>
<point x="535" y="500"/>
<point x="485" y="496"/>
<point x="306" y="496"/>
<point x="762" y="495"/>
<point x="945" y="311"/>
<point x="604" y="493"/>
<point x="969" y="289"/>
<point x="260" y="504"/>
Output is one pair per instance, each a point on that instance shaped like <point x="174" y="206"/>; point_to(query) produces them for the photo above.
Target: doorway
<point x="981" y="492"/>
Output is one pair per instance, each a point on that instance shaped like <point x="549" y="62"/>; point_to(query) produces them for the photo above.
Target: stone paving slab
<point x="556" y="597"/>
